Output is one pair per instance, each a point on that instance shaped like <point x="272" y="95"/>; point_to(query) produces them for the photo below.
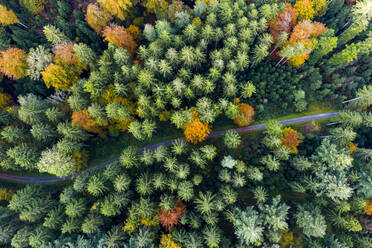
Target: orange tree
<point x="84" y="120"/>
<point x="290" y="139"/>
<point x="13" y="63"/>
<point x="169" y="218"/>
<point x="245" y="116"/>
<point x="196" y="131"/>
<point x="119" y="36"/>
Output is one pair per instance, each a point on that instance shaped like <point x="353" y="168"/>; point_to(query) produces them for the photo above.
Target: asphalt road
<point x="20" y="179"/>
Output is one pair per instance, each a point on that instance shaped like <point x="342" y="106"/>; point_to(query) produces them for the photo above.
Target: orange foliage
<point x="305" y="9"/>
<point x="305" y="30"/>
<point x="283" y="22"/>
<point x="290" y="139"/>
<point x="196" y="131"/>
<point x="13" y="63"/>
<point x="350" y="2"/>
<point x="120" y="37"/>
<point x="7" y="17"/>
<point x="84" y="120"/>
<point x="245" y="116"/>
<point x="5" y="100"/>
<point x="168" y="219"/>
<point x="64" y="54"/>
<point x="96" y="17"/>
<point x="368" y="207"/>
<point x="304" y="33"/>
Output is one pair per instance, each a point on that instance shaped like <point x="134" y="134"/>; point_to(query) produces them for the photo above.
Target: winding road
<point x="21" y="179"/>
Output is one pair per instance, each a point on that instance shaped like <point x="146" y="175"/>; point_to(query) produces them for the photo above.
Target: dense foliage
<point x="78" y="75"/>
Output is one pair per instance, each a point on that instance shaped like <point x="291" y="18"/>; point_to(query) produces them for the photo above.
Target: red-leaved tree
<point x="170" y="218"/>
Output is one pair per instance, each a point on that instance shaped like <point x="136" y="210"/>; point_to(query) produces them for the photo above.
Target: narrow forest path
<point x="21" y="179"/>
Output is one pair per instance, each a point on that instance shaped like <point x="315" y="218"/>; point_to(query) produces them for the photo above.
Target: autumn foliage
<point x="290" y="139"/>
<point x="368" y="207"/>
<point x="5" y="194"/>
<point x="84" y="120"/>
<point x="97" y="17"/>
<point x="305" y="9"/>
<point x="117" y="8"/>
<point x="65" y="70"/>
<point x="5" y="100"/>
<point x="7" y="17"/>
<point x="167" y="242"/>
<point x="284" y="21"/>
<point x="13" y="63"/>
<point x="196" y="131"/>
<point x="245" y="116"/>
<point x="59" y="77"/>
<point x="168" y="219"/>
<point x="120" y="37"/>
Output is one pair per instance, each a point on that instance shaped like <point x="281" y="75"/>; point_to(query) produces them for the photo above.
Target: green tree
<point x="310" y="219"/>
<point x="248" y="226"/>
<point x="76" y="208"/>
<point x="54" y="162"/>
<point x="54" y="35"/>
<point x="232" y="139"/>
<point x="38" y="59"/>
<point x="43" y="133"/>
<point x="92" y="223"/>
<point x="97" y="185"/>
<point x="14" y="135"/>
<point x="72" y="132"/>
<point x="24" y="156"/>
<point x="129" y="157"/>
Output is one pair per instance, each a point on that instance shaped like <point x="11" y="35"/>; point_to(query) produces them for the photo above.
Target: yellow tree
<point x="60" y="77"/>
<point x="305" y="9"/>
<point x="34" y="6"/>
<point x="245" y="116"/>
<point x="13" y="63"/>
<point x="117" y="8"/>
<point x="97" y="17"/>
<point x="120" y="37"/>
<point x="7" y="17"/>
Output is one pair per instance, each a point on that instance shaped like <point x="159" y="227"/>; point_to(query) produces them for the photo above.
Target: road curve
<point x="21" y="179"/>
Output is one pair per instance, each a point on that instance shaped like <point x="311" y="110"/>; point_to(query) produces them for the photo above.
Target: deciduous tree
<point x="97" y="17"/>
<point x="7" y="17"/>
<point x="290" y="139"/>
<point x="118" y="8"/>
<point x="245" y="115"/>
<point x="13" y="63"/>
<point x="196" y="131"/>
<point x="120" y="37"/>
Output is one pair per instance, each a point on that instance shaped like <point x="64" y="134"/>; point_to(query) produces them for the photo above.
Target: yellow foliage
<point x="130" y="226"/>
<point x="81" y="159"/>
<point x="320" y="7"/>
<point x="300" y="59"/>
<point x="7" y="17"/>
<point x="109" y="95"/>
<point x="150" y="222"/>
<point x="368" y="207"/>
<point x="287" y="240"/>
<point x="167" y="242"/>
<point x="6" y="194"/>
<point x="305" y="9"/>
<point x="351" y="147"/>
<point x="97" y="17"/>
<point x="122" y="125"/>
<point x="196" y="131"/>
<point x="118" y="8"/>
<point x="197" y="22"/>
<point x="165" y="115"/>
<point x="60" y="77"/>
<point x="94" y="206"/>
<point x="5" y="100"/>
<point x="158" y="7"/>
<point x="134" y="32"/>
<point x="34" y="6"/>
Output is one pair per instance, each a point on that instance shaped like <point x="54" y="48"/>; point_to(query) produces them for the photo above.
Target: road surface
<point x="21" y="179"/>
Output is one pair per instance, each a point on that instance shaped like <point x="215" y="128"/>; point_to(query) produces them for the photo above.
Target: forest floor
<point x="166" y="141"/>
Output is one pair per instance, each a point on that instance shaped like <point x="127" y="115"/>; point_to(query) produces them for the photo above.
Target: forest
<point x="185" y="124"/>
